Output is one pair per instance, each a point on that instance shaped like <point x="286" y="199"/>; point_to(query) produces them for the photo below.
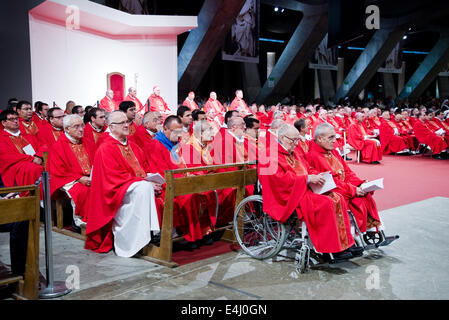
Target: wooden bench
<point x="240" y="178"/>
<point x="24" y="209"/>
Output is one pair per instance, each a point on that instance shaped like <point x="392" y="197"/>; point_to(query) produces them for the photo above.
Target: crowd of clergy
<point x="104" y="159"/>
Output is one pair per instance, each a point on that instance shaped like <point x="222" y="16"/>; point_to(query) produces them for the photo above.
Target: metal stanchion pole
<point x="53" y="288"/>
<point x="344" y="145"/>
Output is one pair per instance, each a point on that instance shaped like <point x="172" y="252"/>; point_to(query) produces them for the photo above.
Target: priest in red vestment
<point x="132" y="96"/>
<point x="157" y="103"/>
<point x="213" y="104"/>
<point x="323" y="157"/>
<point x="371" y="151"/>
<point x="238" y="103"/>
<point x="427" y="136"/>
<point x="390" y="136"/>
<point x="152" y="123"/>
<point x="96" y="125"/>
<point x="264" y="117"/>
<point x="107" y="103"/>
<point x="40" y="113"/>
<point x="325" y="215"/>
<point x="27" y="124"/>
<point x="129" y="108"/>
<point x="20" y="159"/>
<point x="165" y="154"/>
<point x="122" y="209"/>
<point x="185" y="114"/>
<point x="70" y="165"/>
<point x="190" y="102"/>
<point x="303" y="146"/>
<point x="49" y="134"/>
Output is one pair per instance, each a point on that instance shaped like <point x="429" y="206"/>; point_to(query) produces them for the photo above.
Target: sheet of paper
<point x="328" y="185"/>
<point x="373" y="185"/>
<point x="29" y="150"/>
<point x="440" y="132"/>
<point x="155" y="177"/>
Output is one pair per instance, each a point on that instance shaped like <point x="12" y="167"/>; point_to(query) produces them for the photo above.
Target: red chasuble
<point x="28" y="127"/>
<point x="214" y="105"/>
<point x="363" y="208"/>
<point x="92" y="134"/>
<point x="16" y="167"/>
<point x="185" y="208"/>
<point x="38" y="120"/>
<point x="139" y="106"/>
<point x="427" y="136"/>
<point x="369" y="149"/>
<point x="142" y="137"/>
<point x="115" y="168"/>
<point x="239" y="103"/>
<point x="390" y="142"/>
<point x="48" y="135"/>
<point x="157" y="103"/>
<point x="265" y="119"/>
<point x="107" y="104"/>
<point x="67" y="162"/>
<point x="190" y="104"/>
<point x="325" y="215"/>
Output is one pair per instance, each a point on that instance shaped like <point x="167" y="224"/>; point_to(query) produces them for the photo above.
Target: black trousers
<point x="18" y="238"/>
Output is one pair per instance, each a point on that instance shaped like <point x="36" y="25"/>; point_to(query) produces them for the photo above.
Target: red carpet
<point x="407" y="179"/>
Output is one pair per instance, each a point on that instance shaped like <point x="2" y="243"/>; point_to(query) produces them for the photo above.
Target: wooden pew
<point x="58" y="220"/>
<point x="239" y="178"/>
<point x="24" y="209"/>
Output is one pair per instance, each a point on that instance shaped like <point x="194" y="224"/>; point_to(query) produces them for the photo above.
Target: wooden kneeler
<point x="24" y="209"/>
<point x="239" y="178"/>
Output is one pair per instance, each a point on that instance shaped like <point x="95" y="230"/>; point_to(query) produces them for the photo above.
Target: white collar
<point x="274" y="134"/>
<point x="339" y="115"/>
<point x="93" y="127"/>
<point x="303" y="138"/>
<point x="241" y="140"/>
<point x="13" y="134"/>
<point x="57" y="129"/>
<point x="185" y="129"/>
<point x="123" y="143"/>
<point x="71" y="138"/>
<point x="151" y="132"/>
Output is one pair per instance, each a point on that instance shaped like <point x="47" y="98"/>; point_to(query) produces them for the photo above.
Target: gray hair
<point x="109" y="116"/>
<point x="67" y="121"/>
<point x="277" y="113"/>
<point x="284" y="129"/>
<point x="276" y="124"/>
<point x="321" y="129"/>
<point x="233" y="121"/>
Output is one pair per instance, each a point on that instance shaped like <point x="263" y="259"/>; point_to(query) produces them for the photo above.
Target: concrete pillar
<point x="271" y="61"/>
<point x="251" y="80"/>
<point x="214" y="22"/>
<point x="428" y="70"/>
<point x="307" y="36"/>
<point x="443" y="86"/>
<point x="369" y="61"/>
<point x="388" y="85"/>
<point x="340" y="72"/>
<point x="316" y="85"/>
<point x="401" y="78"/>
<point x="326" y="83"/>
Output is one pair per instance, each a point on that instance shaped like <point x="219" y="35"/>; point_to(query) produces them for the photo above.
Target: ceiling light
<point x="276" y="9"/>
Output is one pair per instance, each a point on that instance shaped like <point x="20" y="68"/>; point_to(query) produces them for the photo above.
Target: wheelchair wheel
<point x="372" y="238"/>
<point x="258" y="234"/>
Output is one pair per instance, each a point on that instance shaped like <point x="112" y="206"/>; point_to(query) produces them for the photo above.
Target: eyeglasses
<point x="12" y="119"/>
<point x="60" y="117"/>
<point x="293" y="140"/>
<point x="122" y="123"/>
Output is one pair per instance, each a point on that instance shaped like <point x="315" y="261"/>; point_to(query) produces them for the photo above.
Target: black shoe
<point x="348" y="159"/>
<point x="375" y="162"/>
<point x="207" y="240"/>
<point x="437" y="156"/>
<point x="356" y="251"/>
<point x="342" y="256"/>
<point x="76" y="228"/>
<point x="155" y="238"/>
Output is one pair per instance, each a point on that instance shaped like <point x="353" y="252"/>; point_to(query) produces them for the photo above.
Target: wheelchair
<point x="261" y="237"/>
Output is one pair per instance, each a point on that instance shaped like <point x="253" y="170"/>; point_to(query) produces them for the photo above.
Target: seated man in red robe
<point x="152" y="123"/>
<point x="189" y="102"/>
<point x="96" y="125"/>
<point x="20" y="160"/>
<point x="251" y="135"/>
<point x="129" y="108"/>
<point x="165" y="154"/>
<point x="323" y="157"/>
<point x="390" y="137"/>
<point x="185" y="114"/>
<point x="107" y="103"/>
<point x="48" y="135"/>
<point x="426" y="135"/>
<point x="303" y="146"/>
<point x="325" y="215"/>
<point x="157" y="103"/>
<point x="371" y="151"/>
<point x="122" y="209"/>
<point x="439" y="121"/>
<point x="40" y="113"/>
<point x="132" y="96"/>
<point x="27" y="124"/>
<point x="213" y="104"/>
<point x="238" y="103"/>
<point x="70" y="165"/>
